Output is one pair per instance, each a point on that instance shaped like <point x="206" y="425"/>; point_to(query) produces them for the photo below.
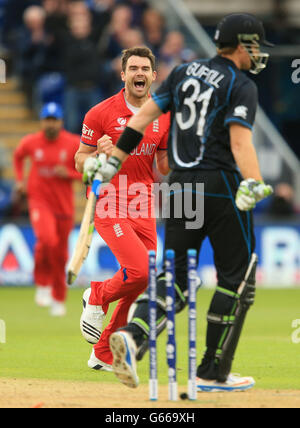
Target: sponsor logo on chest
<point x="121" y="124"/>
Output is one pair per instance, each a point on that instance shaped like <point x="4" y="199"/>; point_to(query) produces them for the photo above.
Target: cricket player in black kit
<point x="213" y="106"/>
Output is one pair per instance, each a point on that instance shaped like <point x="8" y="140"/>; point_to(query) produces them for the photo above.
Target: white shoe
<point x="123" y="349"/>
<point x="43" y="296"/>
<point x="91" y="320"/>
<point x="234" y="383"/>
<point x="96" y="364"/>
<point x="57" y="309"/>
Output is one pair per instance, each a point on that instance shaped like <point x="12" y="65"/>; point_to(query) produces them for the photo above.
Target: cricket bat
<point x="85" y="237"/>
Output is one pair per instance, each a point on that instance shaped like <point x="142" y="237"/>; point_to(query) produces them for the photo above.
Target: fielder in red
<point x="50" y="198"/>
<point x="123" y="214"/>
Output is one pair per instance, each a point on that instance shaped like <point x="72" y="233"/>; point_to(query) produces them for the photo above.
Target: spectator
<point x="171" y="54"/>
<point x="32" y="49"/>
<point x="138" y="7"/>
<point x="101" y="5"/>
<point x="77" y="9"/>
<point x="101" y="11"/>
<point x="153" y="24"/>
<point x="13" y="11"/>
<point x="82" y="67"/>
<point x="174" y="52"/>
<point x="2" y="8"/>
<point x="50" y="85"/>
<point x="121" y="21"/>
<point x="130" y="38"/>
<point x="56" y="20"/>
<point x="62" y="6"/>
<point x="163" y="71"/>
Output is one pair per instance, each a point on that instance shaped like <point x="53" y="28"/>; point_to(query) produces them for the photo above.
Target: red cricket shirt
<point x="110" y="117"/>
<point x="44" y="185"/>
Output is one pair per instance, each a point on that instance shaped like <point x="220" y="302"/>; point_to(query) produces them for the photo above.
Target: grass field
<point x="40" y="347"/>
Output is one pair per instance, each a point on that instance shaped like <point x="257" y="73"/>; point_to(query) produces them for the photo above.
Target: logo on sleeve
<point x="87" y="132"/>
<point x="241" y="111"/>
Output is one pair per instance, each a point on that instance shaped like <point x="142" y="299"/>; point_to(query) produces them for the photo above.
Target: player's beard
<point x="51" y="133"/>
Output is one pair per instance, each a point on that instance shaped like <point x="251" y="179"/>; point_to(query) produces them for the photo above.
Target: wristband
<point x="115" y="162"/>
<point x="129" y="140"/>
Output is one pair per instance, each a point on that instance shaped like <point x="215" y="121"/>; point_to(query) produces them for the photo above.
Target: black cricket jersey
<point x="204" y="97"/>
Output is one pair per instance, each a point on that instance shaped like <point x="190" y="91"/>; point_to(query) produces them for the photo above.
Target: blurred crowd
<point x="68" y="51"/>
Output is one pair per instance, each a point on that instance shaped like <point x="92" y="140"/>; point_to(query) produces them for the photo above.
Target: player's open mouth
<point x="140" y="84"/>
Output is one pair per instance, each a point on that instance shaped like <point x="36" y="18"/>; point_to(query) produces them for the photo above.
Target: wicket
<point x="153" y="382"/>
<point x="171" y="332"/>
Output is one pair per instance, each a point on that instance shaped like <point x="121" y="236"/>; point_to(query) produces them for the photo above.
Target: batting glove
<point x="90" y="168"/>
<point x="250" y="192"/>
<point x="107" y="169"/>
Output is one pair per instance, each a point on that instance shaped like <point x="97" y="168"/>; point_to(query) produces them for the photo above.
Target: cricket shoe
<point x="123" y="349"/>
<point x="91" y="320"/>
<point x="43" y="297"/>
<point x="234" y="383"/>
<point x="96" y="364"/>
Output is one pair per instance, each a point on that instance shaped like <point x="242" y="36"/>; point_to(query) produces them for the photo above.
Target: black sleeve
<point x="243" y="104"/>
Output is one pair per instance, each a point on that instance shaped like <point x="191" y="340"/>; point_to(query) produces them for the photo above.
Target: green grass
<point x="39" y="346"/>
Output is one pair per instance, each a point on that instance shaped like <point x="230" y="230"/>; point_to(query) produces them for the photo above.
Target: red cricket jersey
<point x="44" y="186"/>
<point x="110" y="117"/>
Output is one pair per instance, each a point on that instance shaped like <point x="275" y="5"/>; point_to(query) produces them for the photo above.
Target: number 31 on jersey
<point x="192" y="103"/>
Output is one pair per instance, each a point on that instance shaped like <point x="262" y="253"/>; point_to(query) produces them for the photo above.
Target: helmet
<point x="248" y="31"/>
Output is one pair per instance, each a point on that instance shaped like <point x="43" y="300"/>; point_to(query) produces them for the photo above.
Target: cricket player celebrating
<point x="213" y="105"/>
<point x="128" y="229"/>
<point x="50" y="196"/>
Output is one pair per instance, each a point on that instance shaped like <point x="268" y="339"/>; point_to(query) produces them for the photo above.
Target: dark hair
<point x="141" y="51"/>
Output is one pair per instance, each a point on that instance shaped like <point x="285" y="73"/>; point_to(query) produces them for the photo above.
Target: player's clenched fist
<point x="250" y="192"/>
<point x="105" y="145"/>
<point x="107" y="169"/>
